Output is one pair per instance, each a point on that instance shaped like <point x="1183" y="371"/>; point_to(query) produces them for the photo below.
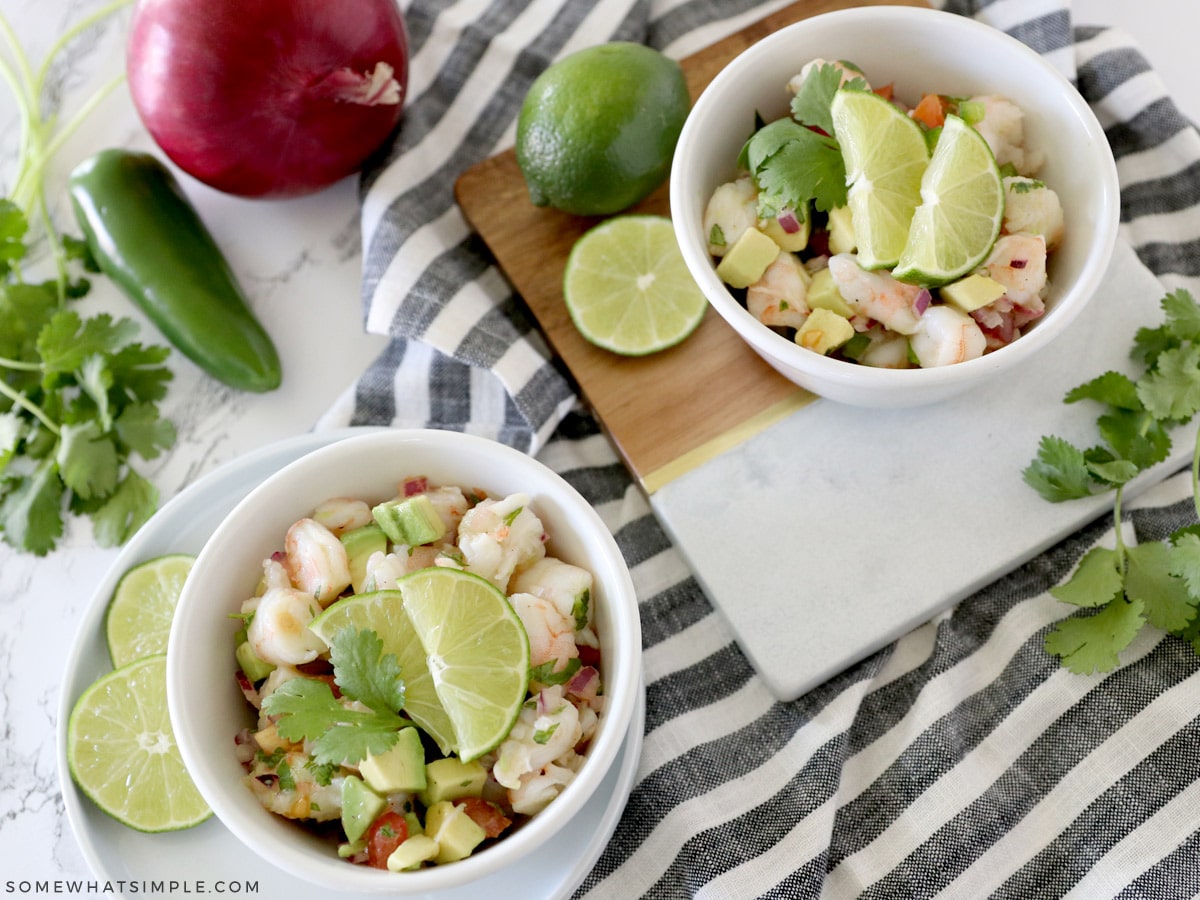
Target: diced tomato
<point x="931" y="111"/>
<point x="589" y="656"/>
<point x="886" y="91"/>
<point x="386" y="833"/>
<point x="486" y="815"/>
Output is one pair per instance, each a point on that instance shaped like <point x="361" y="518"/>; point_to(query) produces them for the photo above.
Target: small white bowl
<point x="208" y="709"/>
<point x="919" y="50"/>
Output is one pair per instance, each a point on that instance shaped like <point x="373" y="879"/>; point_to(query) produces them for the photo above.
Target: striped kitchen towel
<point x="961" y="761"/>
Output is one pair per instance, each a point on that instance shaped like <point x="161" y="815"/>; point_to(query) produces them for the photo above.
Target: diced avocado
<point x="414" y="851"/>
<point x="451" y="779"/>
<point x="456" y="833"/>
<point x="402" y="768"/>
<point x="412" y="521"/>
<point x="360" y="543"/>
<point x="823" y="294"/>
<point x="794" y="241"/>
<point x="823" y="331"/>
<point x="346" y="849"/>
<point x="972" y="292"/>
<point x="842" y="238"/>
<point x="360" y="807"/>
<point x="746" y="260"/>
<point x="254" y="666"/>
<point x="413" y="821"/>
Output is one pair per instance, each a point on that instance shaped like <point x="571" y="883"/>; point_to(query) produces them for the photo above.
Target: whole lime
<point x="598" y="128"/>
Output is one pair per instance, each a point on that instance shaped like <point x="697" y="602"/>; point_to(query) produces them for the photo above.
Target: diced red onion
<point x="921" y="301"/>
<point x="1018" y="263"/>
<point x="585" y="683"/>
<point x="788" y="221"/>
<point x="413" y="486"/>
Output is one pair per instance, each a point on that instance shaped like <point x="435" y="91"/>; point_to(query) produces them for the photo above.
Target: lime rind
<point x="138" y="618"/>
<point x="627" y="287"/>
<point x="962" y="210"/>
<point x="121" y="751"/>
<point x="885" y="155"/>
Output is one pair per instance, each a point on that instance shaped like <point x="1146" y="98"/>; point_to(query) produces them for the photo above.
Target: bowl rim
<point x="687" y="212"/>
<point x="622" y="685"/>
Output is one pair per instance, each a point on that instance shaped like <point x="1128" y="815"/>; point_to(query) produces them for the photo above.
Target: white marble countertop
<point x="300" y="262"/>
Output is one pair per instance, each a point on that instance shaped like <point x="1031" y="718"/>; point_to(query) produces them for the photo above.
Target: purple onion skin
<point x="251" y="96"/>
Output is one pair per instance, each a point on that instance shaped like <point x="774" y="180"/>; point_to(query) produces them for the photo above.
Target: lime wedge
<point x="628" y="289"/>
<point x="463" y="653"/>
<point x="885" y="155"/>
<point x="139" y="614"/>
<point x="121" y="750"/>
<point x="383" y="612"/>
<point x="962" y="207"/>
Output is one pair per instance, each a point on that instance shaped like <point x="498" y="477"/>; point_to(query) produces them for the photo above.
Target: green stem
<point x="1120" y="544"/>
<point x="1196" y="474"/>
<point x="20" y="365"/>
<point x="69" y="35"/>
<point x="22" y="401"/>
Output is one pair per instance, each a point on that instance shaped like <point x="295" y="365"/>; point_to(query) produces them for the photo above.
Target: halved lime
<point x="462" y="649"/>
<point x="139" y="614"/>
<point x="962" y="208"/>
<point x="121" y="750"/>
<point x="885" y="155"/>
<point x="628" y="289"/>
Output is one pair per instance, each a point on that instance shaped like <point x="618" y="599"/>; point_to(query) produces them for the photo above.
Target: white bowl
<point x="920" y="51"/>
<point x="208" y="709"/>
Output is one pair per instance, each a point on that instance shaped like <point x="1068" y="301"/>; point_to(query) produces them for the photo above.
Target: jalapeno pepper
<point x="148" y="238"/>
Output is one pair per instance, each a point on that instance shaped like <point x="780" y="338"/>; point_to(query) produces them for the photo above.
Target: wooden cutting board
<point x="668" y="412"/>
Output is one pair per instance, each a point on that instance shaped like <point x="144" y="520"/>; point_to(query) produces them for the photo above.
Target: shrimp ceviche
<point x="353" y="739"/>
<point x="788" y="240"/>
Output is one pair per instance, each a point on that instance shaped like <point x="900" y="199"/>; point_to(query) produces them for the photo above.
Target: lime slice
<point x="139" y="614"/>
<point x="885" y="155"/>
<point x="121" y="750"/>
<point x="462" y="649"/>
<point x="383" y="612"/>
<point x="628" y="289"/>
<point x="962" y="207"/>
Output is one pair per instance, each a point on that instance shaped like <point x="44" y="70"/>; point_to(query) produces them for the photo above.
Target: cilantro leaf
<point x="1185" y="558"/>
<point x="87" y="460"/>
<point x="812" y="101"/>
<point x="31" y="513"/>
<point x="545" y="674"/>
<point x="1112" y="388"/>
<point x="67" y="340"/>
<point x="307" y="710"/>
<point x="1183" y="316"/>
<point x="1150" y="343"/>
<point x="1059" y="472"/>
<point x="1090" y="643"/>
<point x="13" y="227"/>
<point x="1135" y="435"/>
<point x="125" y="511"/>
<point x="1148" y="578"/>
<point x="364" y="672"/>
<point x="140" y="428"/>
<point x="1097" y="581"/>
<point x="793" y="165"/>
<point x="1171" y="390"/>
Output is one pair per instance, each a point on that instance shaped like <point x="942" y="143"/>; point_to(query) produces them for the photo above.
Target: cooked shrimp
<point x="547" y="729"/>
<point x="1003" y="127"/>
<point x="568" y="587"/>
<point x="1018" y="261"/>
<point x="945" y="336"/>
<point x="450" y="504"/>
<point x="383" y="570"/>
<point x="537" y="789"/>
<point x="342" y="514"/>
<point x="779" y="298"/>
<point x="551" y="632"/>
<point x="316" y="560"/>
<point x="731" y="209"/>
<point x="1032" y="208"/>
<point x="279" y="631"/>
<point x="307" y="799"/>
<point x="876" y="295"/>
<point x="498" y="536"/>
<point x="887" y="350"/>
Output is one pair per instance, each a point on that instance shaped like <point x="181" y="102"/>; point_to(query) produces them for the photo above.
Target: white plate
<point x="210" y="853"/>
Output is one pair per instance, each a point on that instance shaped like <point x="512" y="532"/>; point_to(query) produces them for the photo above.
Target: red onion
<point x="416" y="485"/>
<point x="921" y="301"/>
<point x="788" y="221"/>
<point x="1018" y="263"/>
<point x="268" y="98"/>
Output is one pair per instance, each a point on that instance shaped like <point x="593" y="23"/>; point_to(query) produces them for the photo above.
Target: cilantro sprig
<point x="1122" y="589"/>
<point x="341" y="734"/>
<point x="78" y="396"/>
<point x="797" y="161"/>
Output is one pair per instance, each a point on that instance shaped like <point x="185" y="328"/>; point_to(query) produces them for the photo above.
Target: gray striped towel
<point x="961" y="761"/>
